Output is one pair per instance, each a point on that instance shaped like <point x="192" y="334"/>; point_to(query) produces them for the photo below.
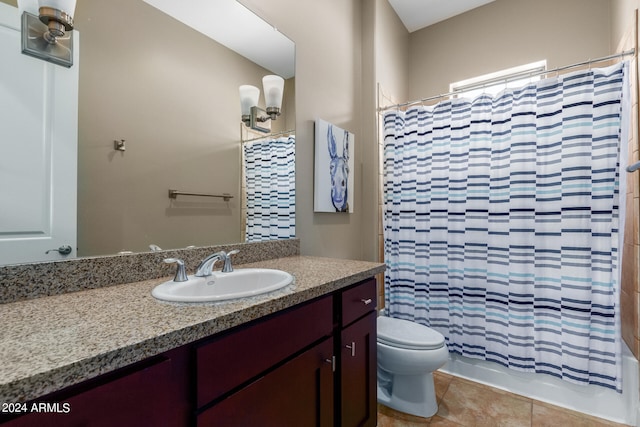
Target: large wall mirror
<point x="170" y="93"/>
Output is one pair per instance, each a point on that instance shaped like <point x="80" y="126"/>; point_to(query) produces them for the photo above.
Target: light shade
<point x="67" y="6"/>
<point x="30" y="6"/>
<point x="273" y="90"/>
<point x="249" y="96"/>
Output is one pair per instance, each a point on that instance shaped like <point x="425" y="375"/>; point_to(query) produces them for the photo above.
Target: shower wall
<point x="624" y="16"/>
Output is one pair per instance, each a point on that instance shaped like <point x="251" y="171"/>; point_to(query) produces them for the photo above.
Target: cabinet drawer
<point x="358" y="301"/>
<point x="240" y="355"/>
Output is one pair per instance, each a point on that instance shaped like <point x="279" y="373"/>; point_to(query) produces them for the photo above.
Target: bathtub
<point x="592" y="400"/>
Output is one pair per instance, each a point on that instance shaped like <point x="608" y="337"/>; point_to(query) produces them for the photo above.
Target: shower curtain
<point x="501" y="223"/>
<point x="269" y="167"/>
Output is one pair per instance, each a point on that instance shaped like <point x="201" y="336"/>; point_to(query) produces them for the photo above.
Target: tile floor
<point x="463" y="403"/>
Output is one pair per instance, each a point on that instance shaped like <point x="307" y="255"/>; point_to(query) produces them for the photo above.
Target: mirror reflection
<point x="159" y="110"/>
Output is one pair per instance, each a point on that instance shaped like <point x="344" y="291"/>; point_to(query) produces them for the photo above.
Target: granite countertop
<point x="53" y="342"/>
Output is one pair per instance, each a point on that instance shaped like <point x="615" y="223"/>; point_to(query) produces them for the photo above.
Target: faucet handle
<point x="227" y="267"/>
<point x="181" y="274"/>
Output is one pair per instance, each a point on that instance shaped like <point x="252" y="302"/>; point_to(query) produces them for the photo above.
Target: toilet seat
<point x="406" y="334"/>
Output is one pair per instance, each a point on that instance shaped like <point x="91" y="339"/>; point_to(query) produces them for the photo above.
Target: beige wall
<point x="385" y="58"/>
<point x="392" y="53"/>
<point x="503" y="34"/>
<point x="369" y="224"/>
<point x="343" y="48"/>
<point x="172" y="94"/>
<point x="328" y="37"/>
<point x="391" y="71"/>
<point x="622" y="18"/>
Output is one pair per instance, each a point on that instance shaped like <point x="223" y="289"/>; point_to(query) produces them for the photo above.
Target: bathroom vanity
<point x="305" y="355"/>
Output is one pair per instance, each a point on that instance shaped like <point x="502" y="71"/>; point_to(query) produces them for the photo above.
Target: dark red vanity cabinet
<point x="358" y="361"/>
<point x="313" y="364"/>
<point x="152" y="393"/>
<point x="332" y="383"/>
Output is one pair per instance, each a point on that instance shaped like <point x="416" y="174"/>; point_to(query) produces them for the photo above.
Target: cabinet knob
<point x="332" y="361"/>
<point x="352" y="347"/>
<point x="366" y="301"/>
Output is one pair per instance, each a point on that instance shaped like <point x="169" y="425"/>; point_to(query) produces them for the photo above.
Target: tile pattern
<point x="464" y="403"/>
<point x="27" y="281"/>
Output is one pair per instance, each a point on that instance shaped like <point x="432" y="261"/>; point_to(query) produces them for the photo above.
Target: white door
<point x="38" y="150"/>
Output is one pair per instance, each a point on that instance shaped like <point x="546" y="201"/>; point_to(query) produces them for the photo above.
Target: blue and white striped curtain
<point x="269" y="167"/>
<point x="502" y="219"/>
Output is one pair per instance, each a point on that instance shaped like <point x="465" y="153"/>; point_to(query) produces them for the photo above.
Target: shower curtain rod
<point x="513" y="77"/>
<point x="272" y="135"/>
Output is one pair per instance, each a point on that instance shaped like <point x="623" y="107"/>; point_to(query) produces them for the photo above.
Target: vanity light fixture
<point x="255" y="117"/>
<point x="49" y="35"/>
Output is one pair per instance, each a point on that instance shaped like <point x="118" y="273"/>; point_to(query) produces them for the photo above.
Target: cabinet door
<point x="140" y="398"/>
<point x="298" y="393"/>
<point x="235" y="358"/>
<point x="358" y="373"/>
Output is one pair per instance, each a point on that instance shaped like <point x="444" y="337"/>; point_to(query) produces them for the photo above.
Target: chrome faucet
<point x="206" y="266"/>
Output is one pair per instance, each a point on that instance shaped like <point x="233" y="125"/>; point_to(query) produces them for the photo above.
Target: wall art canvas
<point x="334" y="171"/>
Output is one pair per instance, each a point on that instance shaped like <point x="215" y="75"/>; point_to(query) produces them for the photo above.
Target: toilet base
<point x="411" y="394"/>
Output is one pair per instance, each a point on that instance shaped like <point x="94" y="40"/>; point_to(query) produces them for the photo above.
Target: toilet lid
<point x="405" y="334"/>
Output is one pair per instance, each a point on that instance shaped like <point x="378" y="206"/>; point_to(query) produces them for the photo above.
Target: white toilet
<point x="408" y="353"/>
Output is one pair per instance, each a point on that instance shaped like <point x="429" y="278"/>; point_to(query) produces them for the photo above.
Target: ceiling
<point x="417" y="14"/>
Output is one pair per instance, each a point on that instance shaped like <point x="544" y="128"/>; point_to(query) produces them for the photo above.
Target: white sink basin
<point x="243" y="282"/>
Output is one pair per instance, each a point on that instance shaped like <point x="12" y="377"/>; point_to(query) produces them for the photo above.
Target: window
<point x="493" y="83"/>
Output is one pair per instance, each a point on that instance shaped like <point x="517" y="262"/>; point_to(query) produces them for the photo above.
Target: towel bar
<point x="173" y="194"/>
